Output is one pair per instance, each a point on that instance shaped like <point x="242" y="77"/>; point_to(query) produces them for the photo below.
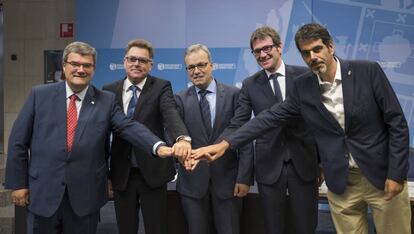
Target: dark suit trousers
<point x="296" y="213"/>
<point x="63" y="221"/>
<point x="152" y="201"/>
<point x="202" y="213"/>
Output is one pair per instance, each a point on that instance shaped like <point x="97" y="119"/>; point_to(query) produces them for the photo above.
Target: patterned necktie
<point x="205" y="110"/>
<point x="276" y="87"/>
<point x="133" y="101"/>
<point x="130" y="113"/>
<point x="72" y="120"/>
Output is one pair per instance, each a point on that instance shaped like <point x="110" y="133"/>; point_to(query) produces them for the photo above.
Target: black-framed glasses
<point x="140" y="60"/>
<point x="265" y="49"/>
<point x="192" y="67"/>
<point x="76" y="65"/>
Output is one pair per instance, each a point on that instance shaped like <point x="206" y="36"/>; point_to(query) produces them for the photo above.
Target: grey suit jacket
<point x="237" y="167"/>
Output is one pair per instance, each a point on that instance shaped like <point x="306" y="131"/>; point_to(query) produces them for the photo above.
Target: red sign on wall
<point x="66" y="30"/>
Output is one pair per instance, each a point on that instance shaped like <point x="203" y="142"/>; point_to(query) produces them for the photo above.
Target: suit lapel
<point x="315" y="90"/>
<point x="194" y="106"/>
<point x="118" y="93"/>
<point x="347" y="91"/>
<point x="289" y="80"/>
<point x="263" y="82"/>
<point x="60" y="111"/>
<point x="88" y="106"/>
<point x="220" y="98"/>
<point x="144" y="96"/>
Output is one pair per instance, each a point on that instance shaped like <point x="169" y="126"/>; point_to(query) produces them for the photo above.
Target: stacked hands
<point x="188" y="157"/>
<point x="181" y="150"/>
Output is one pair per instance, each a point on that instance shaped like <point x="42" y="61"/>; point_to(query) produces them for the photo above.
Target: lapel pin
<point x="349" y="72"/>
<point x="92" y="102"/>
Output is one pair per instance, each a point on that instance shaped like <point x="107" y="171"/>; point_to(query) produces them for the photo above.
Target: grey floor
<point x="108" y="222"/>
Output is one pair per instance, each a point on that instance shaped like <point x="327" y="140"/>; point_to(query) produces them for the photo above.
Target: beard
<point x="320" y="68"/>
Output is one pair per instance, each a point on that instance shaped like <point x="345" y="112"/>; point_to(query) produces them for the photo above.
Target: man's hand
<point x="321" y="177"/>
<point x="20" y="197"/>
<point x="241" y="190"/>
<point x="182" y="150"/>
<point x="164" y="151"/>
<point x="110" y="190"/>
<point x="392" y="189"/>
<point x="211" y="152"/>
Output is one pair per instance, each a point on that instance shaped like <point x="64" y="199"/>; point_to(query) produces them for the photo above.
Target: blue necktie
<point x="133" y="101"/>
<point x="276" y="87"/>
<point x="130" y="114"/>
<point x="205" y="110"/>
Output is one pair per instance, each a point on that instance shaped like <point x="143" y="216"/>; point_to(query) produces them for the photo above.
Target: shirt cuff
<point x="156" y="146"/>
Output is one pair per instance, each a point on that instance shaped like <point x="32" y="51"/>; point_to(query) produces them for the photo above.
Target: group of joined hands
<point x="189" y="157"/>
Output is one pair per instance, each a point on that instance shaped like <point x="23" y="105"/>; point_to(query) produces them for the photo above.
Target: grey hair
<point x="81" y="48"/>
<point x="197" y="47"/>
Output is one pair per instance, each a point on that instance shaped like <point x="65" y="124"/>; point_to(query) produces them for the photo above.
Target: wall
<point x="30" y="27"/>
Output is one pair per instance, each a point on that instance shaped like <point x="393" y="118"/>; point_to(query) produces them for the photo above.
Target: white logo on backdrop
<point x="116" y="66"/>
<point x="169" y="66"/>
<point x="224" y="66"/>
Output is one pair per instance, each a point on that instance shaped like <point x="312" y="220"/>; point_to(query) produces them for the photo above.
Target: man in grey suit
<point x="211" y="191"/>
<point x="286" y="157"/>
<point x="57" y="164"/>
<point x="360" y="129"/>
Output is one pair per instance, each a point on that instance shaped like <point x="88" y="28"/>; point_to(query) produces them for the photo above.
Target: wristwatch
<point x="184" y="138"/>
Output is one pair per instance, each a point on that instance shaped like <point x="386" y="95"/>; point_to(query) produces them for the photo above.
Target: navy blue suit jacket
<point x="227" y="171"/>
<point x="293" y="139"/>
<point x="376" y="132"/>
<point x="38" y="157"/>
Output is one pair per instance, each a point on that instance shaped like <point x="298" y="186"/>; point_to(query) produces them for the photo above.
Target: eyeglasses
<point x="143" y="61"/>
<point x="191" y="68"/>
<point x="76" y="65"/>
<point x="265" y="49"/>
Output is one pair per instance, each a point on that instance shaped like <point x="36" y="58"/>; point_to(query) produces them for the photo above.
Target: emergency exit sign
<point x="66" y="30"/>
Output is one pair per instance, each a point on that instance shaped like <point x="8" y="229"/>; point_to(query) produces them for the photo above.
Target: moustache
<point x="315" y="63"/>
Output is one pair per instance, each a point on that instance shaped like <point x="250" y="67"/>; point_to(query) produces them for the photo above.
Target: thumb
<point x="236" y="191"/>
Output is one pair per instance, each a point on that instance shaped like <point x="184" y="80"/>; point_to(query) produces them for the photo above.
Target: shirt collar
<point x="127" y="84"/>
<point x="338" y="76"/>
<point x="212" y="87"/>
<point x="281" y="70"/>
<point x="80" y="95"/>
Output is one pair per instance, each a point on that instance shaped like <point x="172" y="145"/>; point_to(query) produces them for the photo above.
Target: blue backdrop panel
<point x="379" y="30"/>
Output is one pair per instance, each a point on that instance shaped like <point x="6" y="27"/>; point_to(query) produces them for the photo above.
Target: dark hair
<point x="81" y="48"/>
<point x="262" y="33"/>
<point x="141" y="43"/>
<point x="312" y="31"/>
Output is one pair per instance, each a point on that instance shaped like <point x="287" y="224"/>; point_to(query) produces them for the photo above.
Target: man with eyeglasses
<point x="140" y="181"/>
<point x="211" y="194"/>
<point x="360" y="129"/>
<point x="286" y="157"/>
<point x="56" y="161"/>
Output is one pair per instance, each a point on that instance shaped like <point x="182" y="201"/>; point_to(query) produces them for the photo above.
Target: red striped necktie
<point x="72" y="120"/>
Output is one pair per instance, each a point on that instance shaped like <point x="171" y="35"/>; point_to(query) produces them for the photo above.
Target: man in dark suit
<point x="360" y="129"/>
<point x="286" y="157"/>
<point x="139" y="180"/>
<point x="57" y="163"/>
<point x="211" y="191"/>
